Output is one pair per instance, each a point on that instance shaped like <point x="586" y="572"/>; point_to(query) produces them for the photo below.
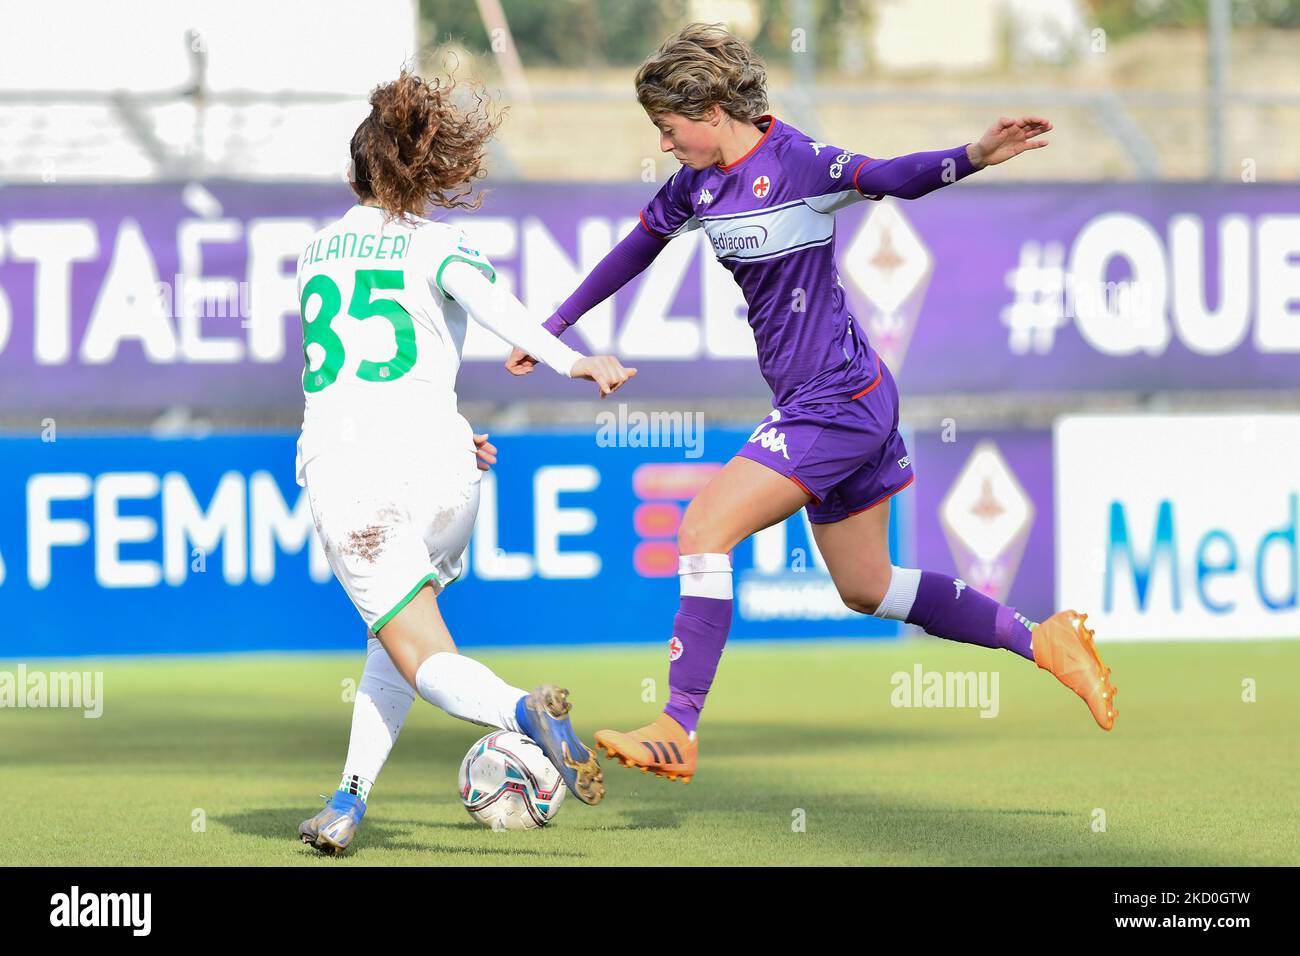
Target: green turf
<point x="1191" y="775"/>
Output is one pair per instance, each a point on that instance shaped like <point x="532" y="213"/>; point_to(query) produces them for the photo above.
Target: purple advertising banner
<point x="138" y="297"/>
<point x="985" y="511"/>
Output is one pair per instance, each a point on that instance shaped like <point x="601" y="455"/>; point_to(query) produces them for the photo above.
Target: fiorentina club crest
<point x="986" y="517"/>
<point x="888" y="270"/>
<point x="675" y="648"/>
<point x="761" y="185"/>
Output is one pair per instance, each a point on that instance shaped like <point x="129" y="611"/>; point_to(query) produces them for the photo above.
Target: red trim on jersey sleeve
<point x="641" y="216"/>
<point x="858" y="170"/>
<point x="855" y="180"/>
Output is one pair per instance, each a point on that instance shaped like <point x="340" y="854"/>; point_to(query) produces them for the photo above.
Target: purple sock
<point x="699" y="635"/>
<point x="949" y="608"/>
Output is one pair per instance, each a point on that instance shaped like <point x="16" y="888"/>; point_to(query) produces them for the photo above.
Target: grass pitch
<point x="215" y="760"/>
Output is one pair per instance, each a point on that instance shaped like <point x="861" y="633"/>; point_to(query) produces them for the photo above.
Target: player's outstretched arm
<point x="628" y="259"/>
<point x="916" y="174"/>
<point x="496" y="309"/>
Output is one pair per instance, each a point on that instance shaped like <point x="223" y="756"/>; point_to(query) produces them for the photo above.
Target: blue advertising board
<point x="133" y="545"/>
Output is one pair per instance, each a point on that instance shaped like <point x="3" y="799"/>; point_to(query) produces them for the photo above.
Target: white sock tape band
<point x="705" y="575"/>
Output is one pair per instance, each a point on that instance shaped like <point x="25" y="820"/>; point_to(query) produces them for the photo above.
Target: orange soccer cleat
<point x="1065" y="647"/>
<point x="663" y="748"/>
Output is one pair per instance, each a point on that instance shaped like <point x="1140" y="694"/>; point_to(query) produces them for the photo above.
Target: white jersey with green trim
<point x="382" y="340"/>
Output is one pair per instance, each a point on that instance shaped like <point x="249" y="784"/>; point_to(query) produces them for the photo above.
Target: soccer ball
<point x="506" y="783"/>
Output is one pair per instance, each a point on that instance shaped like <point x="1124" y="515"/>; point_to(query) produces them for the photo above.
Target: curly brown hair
<point x="700" y="65"/>
<point x="418" y="148"/>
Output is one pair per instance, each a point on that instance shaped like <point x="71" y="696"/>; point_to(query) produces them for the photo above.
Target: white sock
<point x="901" y="594"/>
<point x="383" y="701"/>
<point x="469" y="690"/>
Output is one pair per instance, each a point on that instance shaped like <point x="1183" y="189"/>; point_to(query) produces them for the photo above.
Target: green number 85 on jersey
<point x="363" y="306"/>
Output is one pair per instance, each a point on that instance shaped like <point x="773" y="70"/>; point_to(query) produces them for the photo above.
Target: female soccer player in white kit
<point x="390" y="467"/>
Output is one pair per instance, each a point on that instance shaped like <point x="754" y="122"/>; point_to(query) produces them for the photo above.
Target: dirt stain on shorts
<point x="366" y="544"/>
<point x="444" y="518"/>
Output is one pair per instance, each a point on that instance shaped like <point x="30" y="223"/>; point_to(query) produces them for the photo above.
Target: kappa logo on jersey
<point x="706" y="197"/>
<point x="771" y="439"/>
<point x="761" y="185"/>
<point x="818" y="147"/>
<point x="960" y="585"/>
<point x="675" y="649"/>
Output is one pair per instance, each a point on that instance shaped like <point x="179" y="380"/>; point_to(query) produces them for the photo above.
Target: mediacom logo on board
<point x="1180" y="526"/>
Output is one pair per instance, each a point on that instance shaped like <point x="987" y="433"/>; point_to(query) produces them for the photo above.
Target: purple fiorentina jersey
<point x="771" y="218"/>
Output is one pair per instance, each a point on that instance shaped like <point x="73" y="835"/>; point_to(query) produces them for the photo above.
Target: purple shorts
<point x="848" y="455"/>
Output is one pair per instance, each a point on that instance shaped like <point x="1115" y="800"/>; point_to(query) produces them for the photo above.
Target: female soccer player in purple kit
<point x="766" y="194"/>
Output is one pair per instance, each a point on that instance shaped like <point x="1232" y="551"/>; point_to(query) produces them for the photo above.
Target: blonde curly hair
<point x="700" y="65"/>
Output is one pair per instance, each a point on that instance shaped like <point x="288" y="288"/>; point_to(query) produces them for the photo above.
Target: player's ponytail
<point x="418" y="148"/>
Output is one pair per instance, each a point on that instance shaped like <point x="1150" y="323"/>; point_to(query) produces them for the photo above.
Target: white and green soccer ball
<point x="506" y="783"/>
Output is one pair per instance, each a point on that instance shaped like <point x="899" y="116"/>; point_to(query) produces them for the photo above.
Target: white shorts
<point x="393" y="519"/>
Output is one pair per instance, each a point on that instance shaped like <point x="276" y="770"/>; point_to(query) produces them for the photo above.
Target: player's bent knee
<point x="693" y="538"/>
<point x="863" y="604"/>
<point x="866" y="595"/>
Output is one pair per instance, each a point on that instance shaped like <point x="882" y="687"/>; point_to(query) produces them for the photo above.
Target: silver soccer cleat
<point x="332" y="829"/>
